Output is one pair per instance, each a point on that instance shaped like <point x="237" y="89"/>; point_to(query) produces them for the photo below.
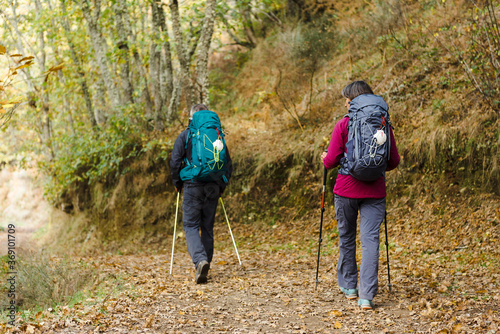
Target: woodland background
<point x="94" y="93"/>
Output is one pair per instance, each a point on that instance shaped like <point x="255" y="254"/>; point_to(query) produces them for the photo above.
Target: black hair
<point x="356" y="89"/>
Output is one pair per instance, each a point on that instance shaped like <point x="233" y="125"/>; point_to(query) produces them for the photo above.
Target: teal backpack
<point x="209" y="152"/>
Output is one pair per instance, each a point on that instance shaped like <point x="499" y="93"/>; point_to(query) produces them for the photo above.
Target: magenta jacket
<point x="346" y="185"/>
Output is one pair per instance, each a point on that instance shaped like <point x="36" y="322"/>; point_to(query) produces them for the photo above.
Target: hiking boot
<point x="350" y="293"/>
<point x="202" y="272"/>
<point x="365" y="304"/>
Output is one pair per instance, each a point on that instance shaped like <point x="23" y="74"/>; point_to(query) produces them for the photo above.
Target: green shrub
<point x="90" y="157"/>
<point x="314" y="44"/>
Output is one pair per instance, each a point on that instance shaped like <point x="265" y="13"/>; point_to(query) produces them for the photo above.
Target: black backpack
<point x="368" y="145"/>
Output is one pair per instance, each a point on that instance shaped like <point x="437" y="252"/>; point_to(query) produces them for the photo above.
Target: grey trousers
<point x="371" y="216"/>
<point x="198" y="207"/>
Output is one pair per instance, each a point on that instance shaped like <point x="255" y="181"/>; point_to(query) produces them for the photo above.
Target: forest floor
<point x="435" y="289"/>
<point x="444" y="261"/>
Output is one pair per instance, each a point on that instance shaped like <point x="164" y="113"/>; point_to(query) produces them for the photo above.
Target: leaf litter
<point x="444" y="280"/>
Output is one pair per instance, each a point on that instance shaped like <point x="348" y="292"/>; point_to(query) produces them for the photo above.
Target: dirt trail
<point x="274" y="294"/>
<point x="21" y="204"/>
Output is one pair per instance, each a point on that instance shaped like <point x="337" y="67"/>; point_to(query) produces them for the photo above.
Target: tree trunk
<point x="173" y="106"/>
<point x="128" y="90"/>
<point x="44" y="94"/>
<point x="233" y="36"/>
<point x="247" y="22"/>
<point x="203" y="50"/>
<point x="99" y="98"/>
<point x="155" y="67"/>
<point x="99" y="46"/>
<point x="182" y="55"/>
<point x="192" y="49"/>
<point x="146" y="96"/>
<point x="82" y="80"/>
<point x="54" y="46"/>
<point x="67" y="104"/>
<point x="166" y="68"/>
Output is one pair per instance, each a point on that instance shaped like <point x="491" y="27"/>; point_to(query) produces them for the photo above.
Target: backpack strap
<point x="188" y="138"/>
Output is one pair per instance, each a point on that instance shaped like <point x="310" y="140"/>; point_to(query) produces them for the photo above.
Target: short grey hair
<point x="197" y="107"/>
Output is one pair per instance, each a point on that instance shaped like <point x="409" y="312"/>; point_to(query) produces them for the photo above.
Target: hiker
<point x="203" y="183"/>
<point x="357" y="189"/>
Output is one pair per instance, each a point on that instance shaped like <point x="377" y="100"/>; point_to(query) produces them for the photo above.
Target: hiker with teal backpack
<point x="363" y="146"/>
<point x="201" y="165"/>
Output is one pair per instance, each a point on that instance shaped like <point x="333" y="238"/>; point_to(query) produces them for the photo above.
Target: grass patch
<point x="50" y="288"/>
<point x="43" y="281"/>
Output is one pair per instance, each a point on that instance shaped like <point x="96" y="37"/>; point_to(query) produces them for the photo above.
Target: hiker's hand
<point x="323" y="156"/>
<point x="179" y="189"/>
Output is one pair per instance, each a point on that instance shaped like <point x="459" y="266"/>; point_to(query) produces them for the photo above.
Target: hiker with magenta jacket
<point x="364" y="148"/>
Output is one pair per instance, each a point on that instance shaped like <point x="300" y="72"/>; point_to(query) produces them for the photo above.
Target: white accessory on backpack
<point x="218" y="145"/>
<point x="380" y="137"/>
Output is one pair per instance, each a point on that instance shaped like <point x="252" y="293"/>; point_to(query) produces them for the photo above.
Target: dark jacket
<point x="177" y="161"/>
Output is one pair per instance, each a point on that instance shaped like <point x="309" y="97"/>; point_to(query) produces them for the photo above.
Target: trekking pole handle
<point x="324" y="179"/>
<point x="324" y="186"/>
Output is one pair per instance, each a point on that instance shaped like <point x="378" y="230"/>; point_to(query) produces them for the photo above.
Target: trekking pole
<point x="321" y="225"/>
<point x="387" y="247"/>
<point x="232" y="237"/>
<point x="175" y="228"/>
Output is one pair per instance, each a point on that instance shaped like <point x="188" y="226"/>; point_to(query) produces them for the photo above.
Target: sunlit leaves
<point x="9" y="69"/>
<point x="56" y="68"/>
<point x="22" y="66"/>
<point x="53" y="69"/>
<point x="26" y="58"/>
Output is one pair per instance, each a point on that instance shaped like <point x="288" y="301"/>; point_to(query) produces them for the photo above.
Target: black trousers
<point x="199" y="206"/>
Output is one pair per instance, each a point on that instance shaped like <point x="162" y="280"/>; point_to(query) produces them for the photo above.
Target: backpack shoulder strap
<point x="188" y="137"/>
